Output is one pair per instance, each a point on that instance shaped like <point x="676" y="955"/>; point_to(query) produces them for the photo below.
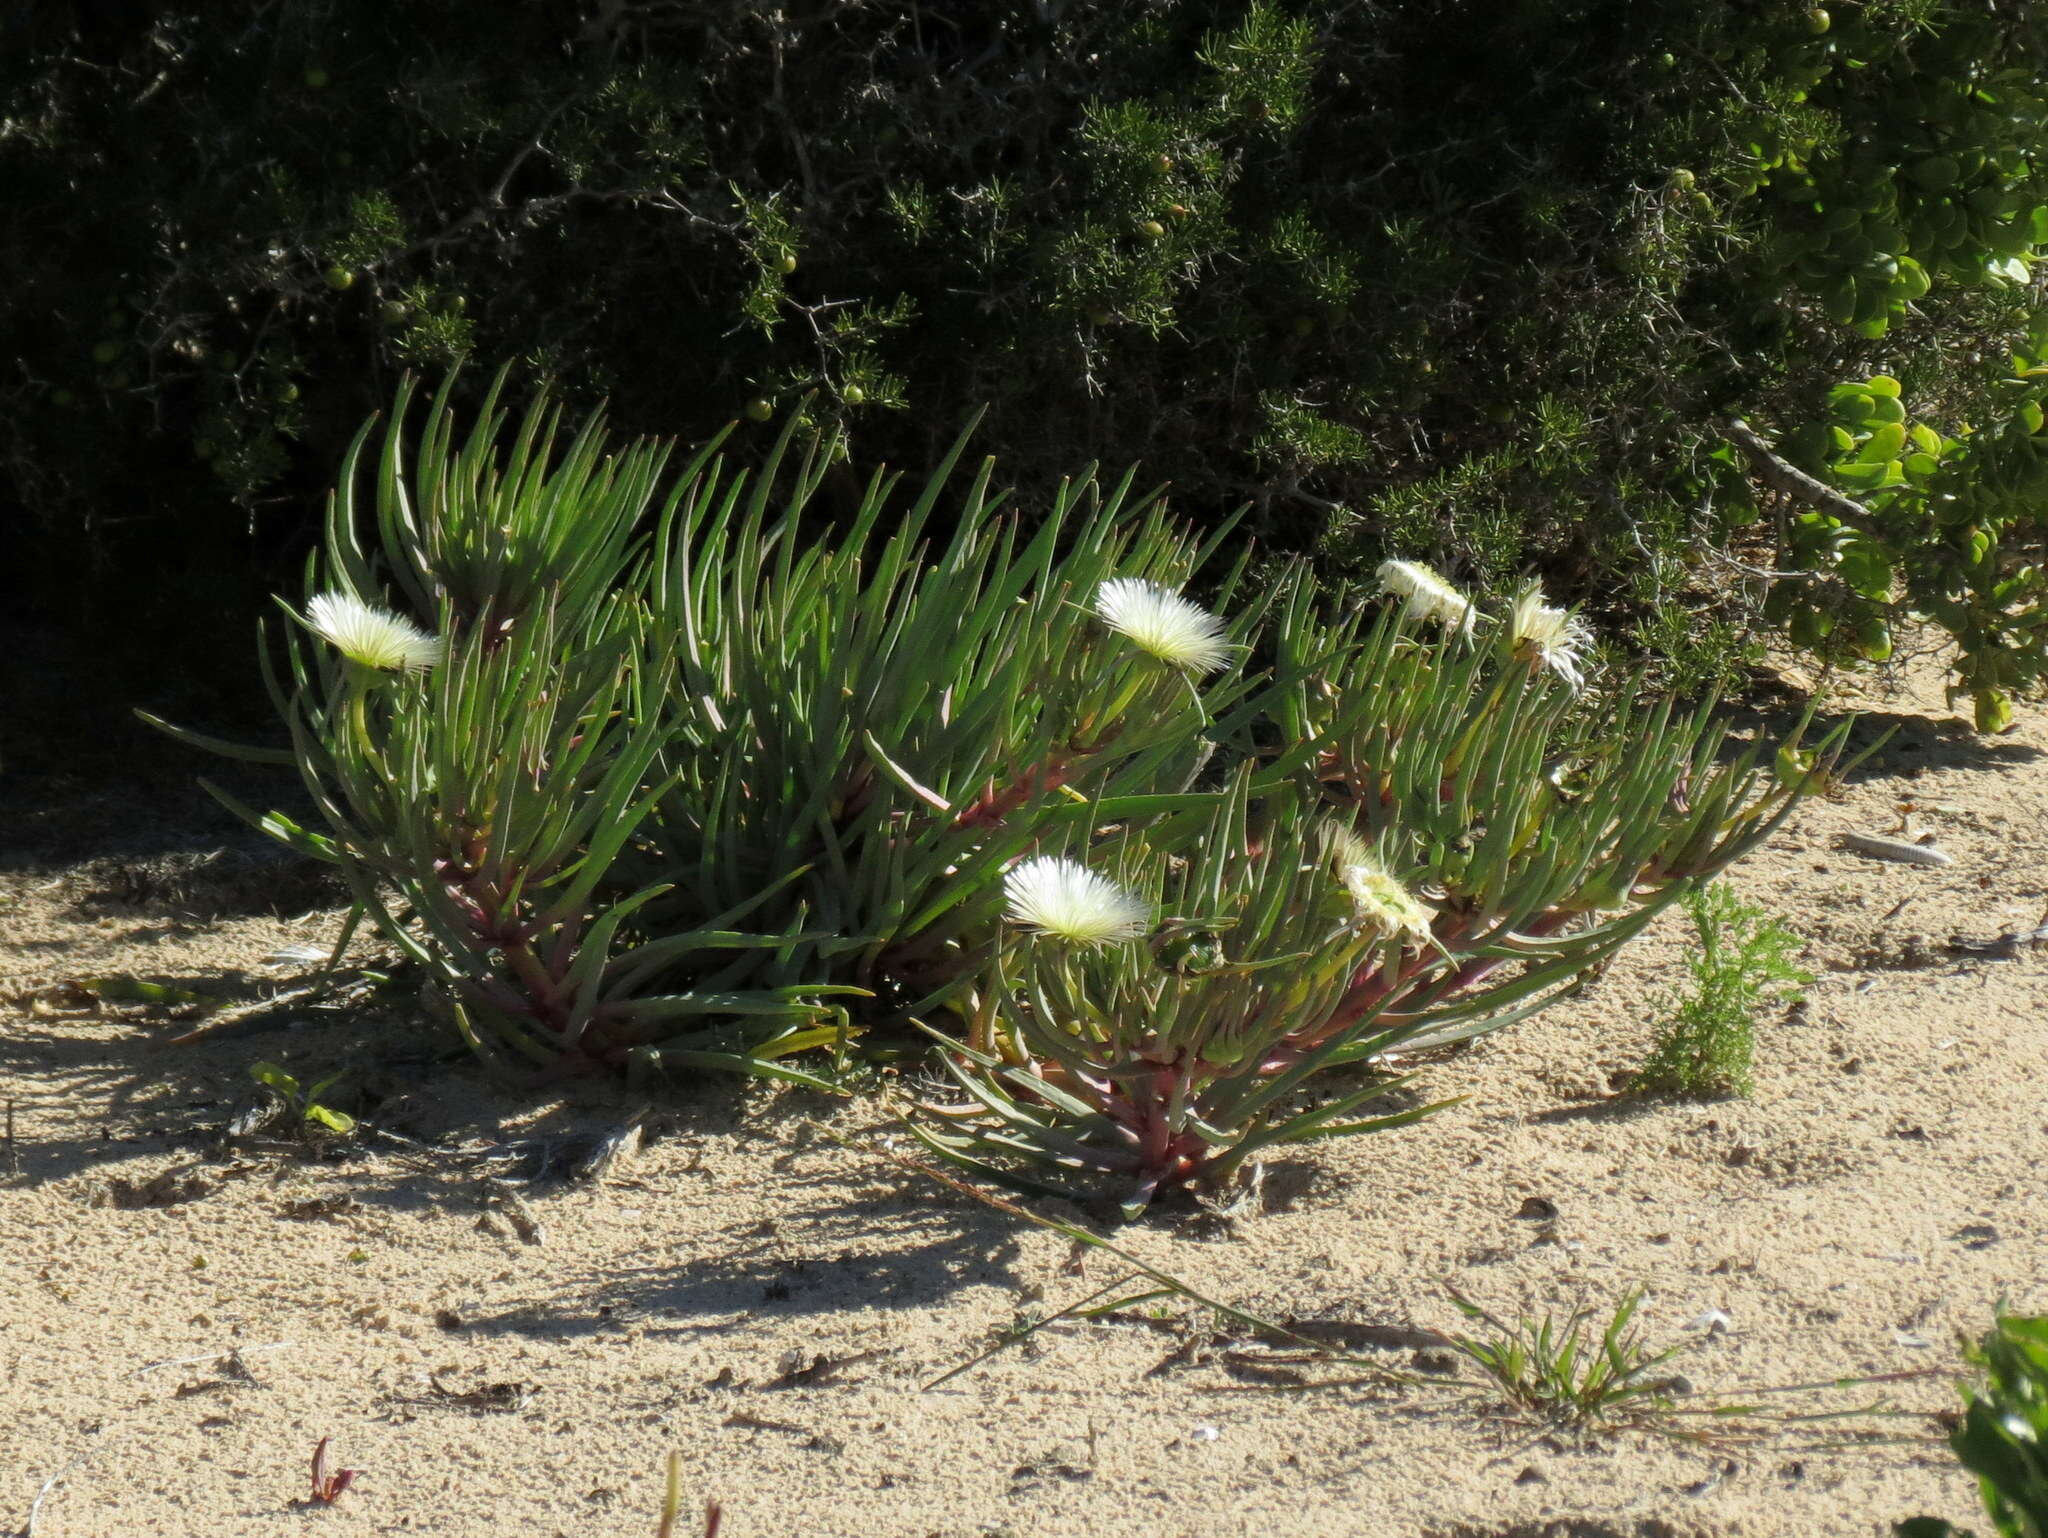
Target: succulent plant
<point x="664" y="772"/>
<point x="1445" y="837"/>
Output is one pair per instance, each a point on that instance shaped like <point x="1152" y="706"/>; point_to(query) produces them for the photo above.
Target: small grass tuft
<point x="1578" y="1373"/>
<point x="1706" y="1041"/>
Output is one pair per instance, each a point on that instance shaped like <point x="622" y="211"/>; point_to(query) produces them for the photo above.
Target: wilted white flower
<point x="1427" y="595"/>
<point x="1067" y="900"/>
<point x="375" y="637"/>
<point x="1160" y="622"/>
<point x="1383" y="904"/>
<point x="1551" y="638"/>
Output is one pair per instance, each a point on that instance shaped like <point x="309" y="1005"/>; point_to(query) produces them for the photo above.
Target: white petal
<point x="1551" y="638"/>
<point x="374" y="637"/>
<point x="1381" y="902"/>
<point x="1160" y="622"/>
<point x="1427" y="595"/>
<point x="1067" y="900"/>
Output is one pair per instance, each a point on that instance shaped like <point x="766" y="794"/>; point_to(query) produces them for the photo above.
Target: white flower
<point x="1160" y="622"/>
<point x="375" y="637"/>
<point x="1428" y="595"/>
<point x="1383" y="904"/>
<point x="1067" y="900"/>
<point x="1551" y="638"/>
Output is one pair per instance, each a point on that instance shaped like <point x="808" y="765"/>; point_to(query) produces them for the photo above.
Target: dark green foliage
<point x="2003" y="1435"/>
<point x="1457" y="281"/>
<point x="1741" y="964"/>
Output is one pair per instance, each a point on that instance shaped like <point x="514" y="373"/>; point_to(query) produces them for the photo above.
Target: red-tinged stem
<point x="1474" y="971"/>
<point x="484" y="902"/>
<point x="1369" y="990"/>
<point x="995" y="804"/>
<point x="858" y="790"/>
<point x="563" y="950"/>
<point x="498" y="994"/>
<point x="1159" y="1139"/>
<point x="1166" y="1158"/>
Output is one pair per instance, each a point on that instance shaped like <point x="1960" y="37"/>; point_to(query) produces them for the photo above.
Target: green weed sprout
<point x="666" y="771"/>
<point x="1706" y="1042"/>
<point x="1578" y="1373"/>
<point x="2003" y="1435"/>
<point x="302" y="1102"/>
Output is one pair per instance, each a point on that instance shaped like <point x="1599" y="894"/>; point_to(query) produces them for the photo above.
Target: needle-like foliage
<point x="671" y="771"/>
<point x="1440" y="836"/>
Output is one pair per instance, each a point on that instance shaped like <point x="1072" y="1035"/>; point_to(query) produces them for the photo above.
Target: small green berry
<point x="1818" y="20"/>
<point x="340" y="278"/>
<point x="760" y="409"/>
<point x="787" y="264"/>
<point x="1152" y="229"/>
<point x="853" y="395"/>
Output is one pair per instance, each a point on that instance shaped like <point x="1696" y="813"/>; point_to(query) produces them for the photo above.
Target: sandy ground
<point x="187" y="1312"/>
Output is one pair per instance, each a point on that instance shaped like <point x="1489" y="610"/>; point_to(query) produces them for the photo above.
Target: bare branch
<point x="1781" y="475"/>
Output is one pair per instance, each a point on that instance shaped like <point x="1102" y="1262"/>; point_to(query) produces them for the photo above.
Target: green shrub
<point x="1403" y="293"/>
<point x="2003" y="1435"/>
<point x="1949" y="527"/>
<point x="648" y="772"/>
<point x="1742" y="963"/>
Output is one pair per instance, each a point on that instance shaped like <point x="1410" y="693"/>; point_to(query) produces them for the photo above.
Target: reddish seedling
<point x="328" y="1484"/>
<point x="672" y="1505"/>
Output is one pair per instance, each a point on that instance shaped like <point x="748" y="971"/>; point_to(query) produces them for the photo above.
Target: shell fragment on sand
<point x="1896" y="849"/>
